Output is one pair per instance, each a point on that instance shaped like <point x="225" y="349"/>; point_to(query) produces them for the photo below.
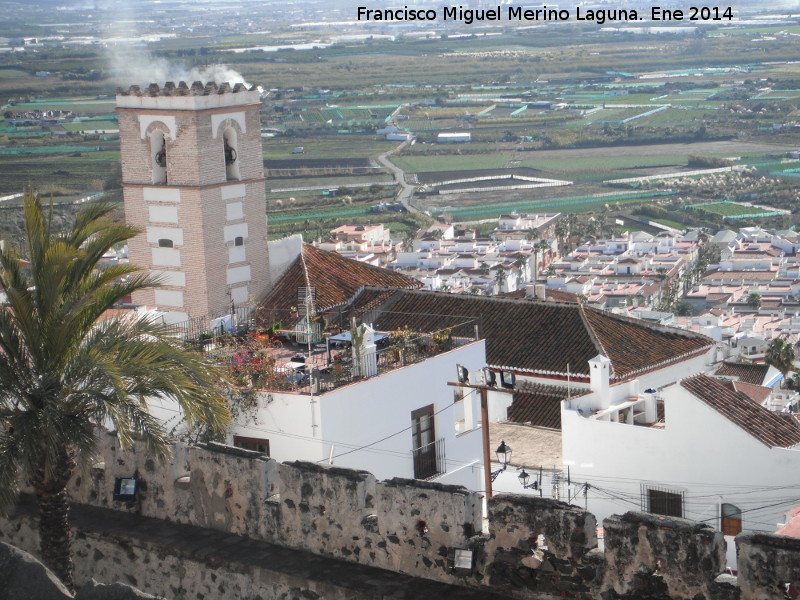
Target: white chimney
<point x="599" y="376"/>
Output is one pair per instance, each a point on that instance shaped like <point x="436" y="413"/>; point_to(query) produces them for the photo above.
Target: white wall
<point x="365" y="412"/>
<point x="698" y="452"/>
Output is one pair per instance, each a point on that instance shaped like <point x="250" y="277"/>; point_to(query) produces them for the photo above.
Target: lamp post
<point x="524" y="478"/>
<point x="503" y="456"/>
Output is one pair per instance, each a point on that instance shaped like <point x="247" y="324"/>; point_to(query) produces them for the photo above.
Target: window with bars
<point x="662" y="501"/>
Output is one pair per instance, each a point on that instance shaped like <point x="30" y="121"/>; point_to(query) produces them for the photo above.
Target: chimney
<point x="599" y="376"/>
<point x="536" y="291"/>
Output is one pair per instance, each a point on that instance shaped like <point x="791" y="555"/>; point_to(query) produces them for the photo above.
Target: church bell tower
<point x="193" y="182"/>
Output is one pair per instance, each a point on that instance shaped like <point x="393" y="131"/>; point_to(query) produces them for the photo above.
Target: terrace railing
<point x="264" y="364"/>
<point x="429" y="460"/>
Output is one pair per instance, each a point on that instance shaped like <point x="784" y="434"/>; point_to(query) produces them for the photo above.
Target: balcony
<point x="429" y="460"/>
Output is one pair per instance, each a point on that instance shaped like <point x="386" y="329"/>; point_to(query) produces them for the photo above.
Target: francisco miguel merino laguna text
<point x="519" y="13"/>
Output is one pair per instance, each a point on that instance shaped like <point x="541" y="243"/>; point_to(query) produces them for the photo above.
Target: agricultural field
<point x="91" y="125"/>
<point x="727" y="209"/>
<point x="328" y="146"/>
<point x="84" y="106"/>
<point x="565" y="204"/>
<point x="75" y="172"/>
<point x="482" y="85"/>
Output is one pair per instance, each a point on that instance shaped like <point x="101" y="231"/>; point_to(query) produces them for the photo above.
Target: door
<point x="423" y="442"/>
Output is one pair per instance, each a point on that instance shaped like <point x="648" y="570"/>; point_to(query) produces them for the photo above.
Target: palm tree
<point x="521" y="262"/>
<point x="500" y="278"/>
<point x="540" y="246"/>
<point x="780" y="354"/>
<point x="65" y="370"/>
<point x="754" y="300"/>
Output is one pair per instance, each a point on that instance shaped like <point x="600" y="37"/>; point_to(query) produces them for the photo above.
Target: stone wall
<point x="533" y="547"/>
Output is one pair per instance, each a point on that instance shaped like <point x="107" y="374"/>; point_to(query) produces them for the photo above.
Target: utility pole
<point x="487" y="461"/>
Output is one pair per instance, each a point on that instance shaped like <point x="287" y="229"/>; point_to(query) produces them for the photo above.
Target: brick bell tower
<point x="193" y="182"/>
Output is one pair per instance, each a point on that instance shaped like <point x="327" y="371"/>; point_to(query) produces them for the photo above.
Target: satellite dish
<point x="463" y="374"/>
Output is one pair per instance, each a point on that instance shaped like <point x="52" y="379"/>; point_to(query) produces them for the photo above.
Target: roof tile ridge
<point x="593" y="336"/>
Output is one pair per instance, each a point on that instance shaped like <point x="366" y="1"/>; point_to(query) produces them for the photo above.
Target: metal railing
<point x="429" y="460"/>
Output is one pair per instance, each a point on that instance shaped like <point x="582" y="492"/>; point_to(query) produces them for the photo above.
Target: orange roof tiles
<point x="767" y="427"/>
<point x="747" y="372"/>
<point x="537" y="337"/>
<point x="335" y="279"/>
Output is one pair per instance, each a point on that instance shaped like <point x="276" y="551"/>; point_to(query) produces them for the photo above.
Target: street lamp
<point x="524" y="478"/>
<point x="503" y="457"/>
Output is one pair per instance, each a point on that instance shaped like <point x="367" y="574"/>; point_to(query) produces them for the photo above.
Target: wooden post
<point x="487" y="462"/>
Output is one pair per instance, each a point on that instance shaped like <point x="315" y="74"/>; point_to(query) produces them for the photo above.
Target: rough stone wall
<point x="663" y="557"/>
<point x="766" y="564"/>
<point x="110" y="557"/>
<point x="533" y="548"/>
<point x="540" y="547"/>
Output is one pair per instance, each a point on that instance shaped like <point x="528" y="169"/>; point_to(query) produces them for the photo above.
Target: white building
<point x="695" y="449"/>
<point x="399" y="423"/>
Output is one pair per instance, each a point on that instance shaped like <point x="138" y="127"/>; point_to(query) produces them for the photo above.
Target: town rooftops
<point x="767" y="427"/>
<point x="532" y="337"/>
<point x="335" y="279"/>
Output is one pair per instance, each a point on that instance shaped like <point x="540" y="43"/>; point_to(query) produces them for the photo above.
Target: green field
<point x="330" y="146"/>
<point x="730" y="209"/>
<point x="98" y="125"/>
<point x="569" y="204"/>
<point x="12" y="73"/>
<point x="449" y="162"/>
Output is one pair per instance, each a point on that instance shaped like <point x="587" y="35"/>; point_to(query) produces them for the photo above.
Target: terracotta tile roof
<point x="756" y="393"/>
<point x="336" y="280"/>
<point x="747" y="372"/>
<point x="792" y="526"/>
<point x="536" y="337"/>
<point x="764" y="425"/>
<point x="550" y="295"/>
<point x="538" y="404"/>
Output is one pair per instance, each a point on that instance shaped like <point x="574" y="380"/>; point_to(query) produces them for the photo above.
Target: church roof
<point x="335" y="280"/>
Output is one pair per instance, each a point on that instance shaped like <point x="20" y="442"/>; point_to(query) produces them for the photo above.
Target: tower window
<point x="230" y="148"/>
<point x="158" y="151"/>
<point x="239" y="241"/>
<point x="165" y="243"/>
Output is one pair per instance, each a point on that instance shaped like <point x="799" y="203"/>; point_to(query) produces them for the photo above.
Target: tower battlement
<point x="182" y="89"/>
<point x="198" y="96"/>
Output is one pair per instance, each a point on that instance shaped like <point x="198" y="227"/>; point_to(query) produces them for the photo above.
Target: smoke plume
<point x="132" y="64"/>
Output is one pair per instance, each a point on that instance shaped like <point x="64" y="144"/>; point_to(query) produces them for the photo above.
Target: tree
<point x="64" y="369"/>
<point x="500" y="279"/>
<point x="521" y="262"/>
<point x="780" y="354"/>
<point x="754" y="300"/>
<point x="683" y="309"/>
